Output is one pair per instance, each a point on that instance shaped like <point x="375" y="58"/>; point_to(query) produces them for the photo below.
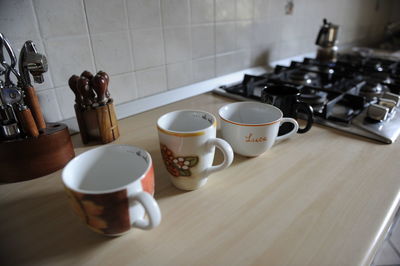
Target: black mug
<point x="286" y="98"/>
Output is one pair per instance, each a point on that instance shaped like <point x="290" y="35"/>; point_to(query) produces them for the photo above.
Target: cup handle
<point x="293" y="131"/>
<point x="310" y="117"/>
<point x="227" y="151"/>
<point x="151" y="208"/>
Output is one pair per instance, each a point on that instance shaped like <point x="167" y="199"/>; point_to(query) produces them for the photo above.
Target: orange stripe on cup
<point x="182" y="134"/>
<point x="249" y="125"/>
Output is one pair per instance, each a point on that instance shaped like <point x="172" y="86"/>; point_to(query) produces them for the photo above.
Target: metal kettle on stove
<point x="327" y="40"/>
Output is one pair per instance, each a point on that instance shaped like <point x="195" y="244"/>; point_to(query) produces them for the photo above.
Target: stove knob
<point x="392" y="96"/>
<point x="387" y="103"/>
<point x="377" y="112"/>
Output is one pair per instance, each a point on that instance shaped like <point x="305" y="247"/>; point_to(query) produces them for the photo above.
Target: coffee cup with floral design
<point x="111" y="189"/>
<point x="187" y="143"/>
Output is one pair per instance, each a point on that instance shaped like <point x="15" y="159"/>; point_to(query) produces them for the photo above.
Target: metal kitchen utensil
<point x="8" y="68"/>
<point x="8" y="125"/>
<point x="30" y="61"/>
<point x="19" y="135"/>
<point x="326" y="40"/>
<point x="12" y="97"/>
<point x="327" y="35"/>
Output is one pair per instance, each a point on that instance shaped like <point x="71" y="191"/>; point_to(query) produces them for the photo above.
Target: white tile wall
<point x="203" y="41"/>
<point x="175" y="12"/>
<point x="225" y="37"/>
<point x="149" y="46"/>
<point x="151" y="81"/>
<point x="58" y="18"/>
<point x="177" y="44"/>
<point x="112" y="52"/>
<point x="203" y="69"/>
<point x="107" y="16"/>
<point x="144" y="13"/>
<point x="179" y="74"/>
<point x="202" y="11"/>
<point x="123" y="87"/>
<point x="68" y="56"/>
<point x="225" y="10"/>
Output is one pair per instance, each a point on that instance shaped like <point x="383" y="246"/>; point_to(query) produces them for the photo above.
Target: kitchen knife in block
<point x="32" y="101"/>
<point x="100" y="87"/>
<point x="81" y="123"/>
<point x="98" y="124"/>
<point x="107" y="79"/>
<point x="73" y="84"/>
<point x="107" y="120"/>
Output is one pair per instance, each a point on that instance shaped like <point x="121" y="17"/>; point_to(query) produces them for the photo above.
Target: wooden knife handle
<point x="33" y="102"/>
<point x="107" y="79"/>
<point x="100" y="87"/>
<point x="28" y="123"/>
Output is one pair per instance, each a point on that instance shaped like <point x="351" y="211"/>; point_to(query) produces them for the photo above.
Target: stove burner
<point x="378" y="67"/>
<point x="382" y="77"/>
<point x="371" y="90"/>
<point x="300" y="77"/>
<point x="313" y="97"/>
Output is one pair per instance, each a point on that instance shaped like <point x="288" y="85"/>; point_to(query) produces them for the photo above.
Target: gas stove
<point x="356" y="94"/>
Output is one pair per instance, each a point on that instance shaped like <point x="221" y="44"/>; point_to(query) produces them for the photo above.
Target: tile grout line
<point x="130" y="44"/>
<point x="50" y="76"/>
<point x="190" y="60"/>
<point x="89" y="35"/>
<point x="161" y="6"/>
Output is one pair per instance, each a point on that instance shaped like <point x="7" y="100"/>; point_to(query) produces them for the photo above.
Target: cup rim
<point x="191" y="133"/>
<point x="250" y="124"/>
<point x="106" y="191"/>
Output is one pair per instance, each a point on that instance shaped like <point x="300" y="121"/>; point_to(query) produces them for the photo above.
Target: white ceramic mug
<point x="111" y="188"/>
<point x="252" y="127"/>
<point x="187" y="143"/>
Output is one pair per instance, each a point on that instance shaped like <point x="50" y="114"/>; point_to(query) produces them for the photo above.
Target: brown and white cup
<point x="111" y="189"/>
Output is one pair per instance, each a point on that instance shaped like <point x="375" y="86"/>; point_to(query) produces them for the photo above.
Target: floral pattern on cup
<point x="178" y="165"/>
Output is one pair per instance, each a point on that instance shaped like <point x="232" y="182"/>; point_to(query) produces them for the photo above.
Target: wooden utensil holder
<point x="98" y="124"/>
<point x="28" y="158"/>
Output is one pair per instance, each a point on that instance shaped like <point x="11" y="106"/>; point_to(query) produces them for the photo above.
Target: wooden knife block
<point x="98" y="124"/>
<point x="24" y="159"/>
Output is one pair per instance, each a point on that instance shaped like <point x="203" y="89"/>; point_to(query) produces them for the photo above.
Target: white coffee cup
<point x="252" y="127"/>
<point x="111" y="189"/>
<point x="187" y="143"/>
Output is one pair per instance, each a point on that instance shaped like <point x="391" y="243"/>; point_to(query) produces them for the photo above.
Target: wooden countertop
<point x="321" y="198"/>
